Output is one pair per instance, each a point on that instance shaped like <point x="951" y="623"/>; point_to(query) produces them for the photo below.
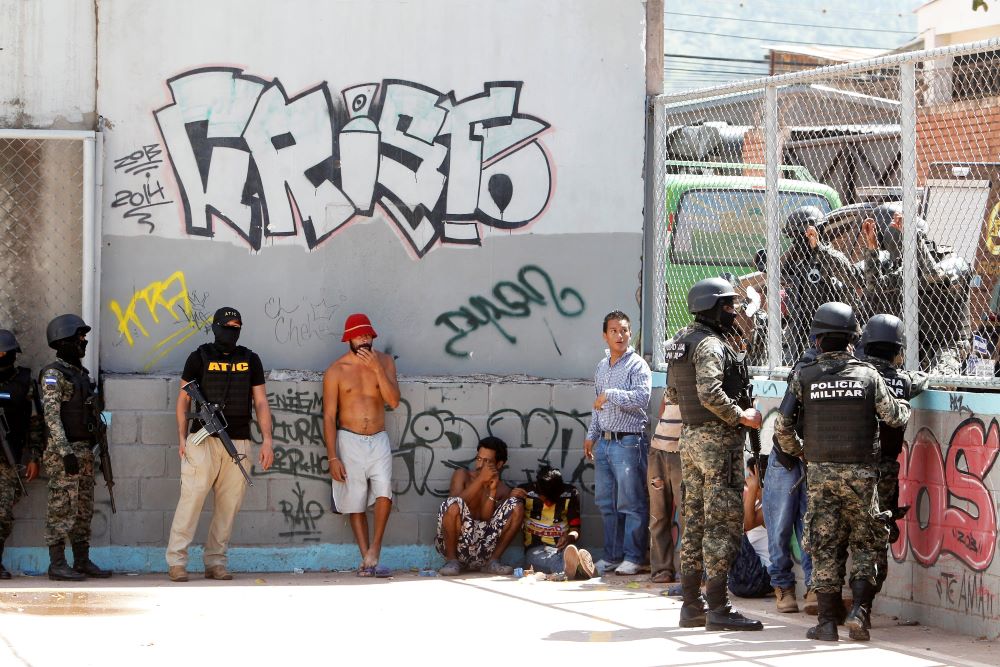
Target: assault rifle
<point x="213" y="422"/>
<point x="753" y="434"/>
<point x="99" y="428"/>
<point x="8" y="453"/>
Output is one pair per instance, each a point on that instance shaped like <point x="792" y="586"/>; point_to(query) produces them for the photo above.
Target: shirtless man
<point x="356" y="389"/>
<point x="480" y="518"/>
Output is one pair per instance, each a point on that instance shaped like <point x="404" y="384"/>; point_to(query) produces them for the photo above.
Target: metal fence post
<point x="659" y="235"/>
<point x="772" y="171"/>
<point x="908" y="174"/>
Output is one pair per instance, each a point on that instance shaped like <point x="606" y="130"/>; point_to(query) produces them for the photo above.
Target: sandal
<point x="382" y="572"/>
<point x="496" y="567"/>
<point x="366" y="571"/>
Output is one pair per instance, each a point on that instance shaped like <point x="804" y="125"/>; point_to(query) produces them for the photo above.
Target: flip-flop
<point x="382" y="572"/>
<point x="365" y="571"/>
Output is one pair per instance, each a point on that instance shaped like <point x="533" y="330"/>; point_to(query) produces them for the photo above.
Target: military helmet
<point x="834" y="317"/>
<point x="65" y="326"/>
<point x="802" y="217"/>
<point x="7" y="342"/>
<point x="884" y="328"/>
<point x="704" y="294"/>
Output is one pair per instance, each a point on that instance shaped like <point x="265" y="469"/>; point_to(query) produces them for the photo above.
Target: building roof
<point x="839" y="54"/>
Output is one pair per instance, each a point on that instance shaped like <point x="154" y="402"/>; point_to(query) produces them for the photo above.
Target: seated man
<point x="748" y="576"/>
<point x="479" y="519"/>
<point x="552" y="526"/>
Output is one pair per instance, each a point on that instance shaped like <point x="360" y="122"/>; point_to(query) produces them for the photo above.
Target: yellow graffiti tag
<point x="157" y="299"/>
<point x="993" y="231"/>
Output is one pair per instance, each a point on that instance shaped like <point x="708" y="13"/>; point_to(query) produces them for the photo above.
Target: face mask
<point x="72" y="349"/>
<point x="7" y="360"/>
<point x="727" y="320"/>
<point x="226" y="337"/>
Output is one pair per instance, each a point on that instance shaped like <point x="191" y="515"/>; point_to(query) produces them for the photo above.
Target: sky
<point x="740" y="28"/>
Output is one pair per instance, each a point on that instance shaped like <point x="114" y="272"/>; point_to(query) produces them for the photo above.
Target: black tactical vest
<point x="15" y="401"/>
<point x="75" y="413"/>
<point x="899" y="384"/>
<point x="838" y="413"/>
<point x="682" y="376"/>
<point x="225" y="380"/>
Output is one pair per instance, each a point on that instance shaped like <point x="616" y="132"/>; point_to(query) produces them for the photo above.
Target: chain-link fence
<point x="874" y="183"/>
<point x="42" y="232"/>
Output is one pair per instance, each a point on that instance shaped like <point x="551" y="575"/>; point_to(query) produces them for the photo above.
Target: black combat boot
<point x="839" y="611"/>
<point x="83" y="564"/>
<point x="693" y="610"/>
<point x="858" y="620"/>
<point x="830" y="605"/>
<point x="59" y="569"/>
<point x="721" y="615"/>
<point x="4" y="574"/>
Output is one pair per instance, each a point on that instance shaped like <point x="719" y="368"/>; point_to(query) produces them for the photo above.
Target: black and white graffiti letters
<point x="147" y="194"/>
<point x="246" y="154"/>
<point x="509" y="299"/>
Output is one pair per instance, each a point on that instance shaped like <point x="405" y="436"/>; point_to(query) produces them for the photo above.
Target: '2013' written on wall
<point x="267" y="165"/>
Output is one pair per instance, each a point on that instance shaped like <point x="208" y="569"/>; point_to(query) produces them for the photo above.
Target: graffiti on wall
<point x="145" y="192"/>
<point x="298" y="321"/>
<point x="967" y="593"/>
<point x="165" y="312"/>
<point x="951" y="507"/>
<point x="510" y="299"/>
<point x="247" y="155"/>
<point x="431" y="444"/>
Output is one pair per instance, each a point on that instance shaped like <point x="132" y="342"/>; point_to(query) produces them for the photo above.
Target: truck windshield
<point x="726" y="227"/>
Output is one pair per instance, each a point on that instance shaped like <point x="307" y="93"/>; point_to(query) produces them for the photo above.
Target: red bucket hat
<point x="357" y="325"/>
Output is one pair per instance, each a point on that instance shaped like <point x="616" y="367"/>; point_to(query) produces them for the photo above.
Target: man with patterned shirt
<point x="618" y="445"/>
<point x="552" y="526"/>
<point x="706" y="379"/>
<point x="67" y="396"/>
<point x="840" y="401"/>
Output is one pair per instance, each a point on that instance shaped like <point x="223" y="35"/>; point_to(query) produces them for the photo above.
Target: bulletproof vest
<point x="76" y="415"/>
<point x="682" y="376"/>
<point x="838" y="413"/>
<point x="899" y="385"/>
<point x="225" y="380"/>
<point x="15" y="401"/>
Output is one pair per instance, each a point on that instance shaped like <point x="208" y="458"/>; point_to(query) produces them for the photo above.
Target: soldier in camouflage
<point x="22" y="431"/>
<point x="840" y="401"/>
<point x="882" y="343"/>
<point x="706" y="378"/>
<point x="67" y="394"/>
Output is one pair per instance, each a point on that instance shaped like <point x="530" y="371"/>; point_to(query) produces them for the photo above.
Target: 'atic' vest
<point x="900" y="385"/>
<point x="225" y="380"/>
<point x="683" y="378"/>
<point x="838" y="413"/>
<point x="15" y="401"/>
<point x="75" y="413"/>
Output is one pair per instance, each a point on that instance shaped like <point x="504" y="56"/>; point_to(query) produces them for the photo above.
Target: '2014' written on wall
<point x="267" y="165"/>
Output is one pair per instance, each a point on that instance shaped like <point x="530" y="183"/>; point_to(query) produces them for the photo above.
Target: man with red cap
<point x="356" y="389"/>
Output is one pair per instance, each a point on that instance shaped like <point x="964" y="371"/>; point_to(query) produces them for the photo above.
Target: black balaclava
<point x="7" y="360"/>
<point x="226" y="337"/>
<point x="72" y="349"/>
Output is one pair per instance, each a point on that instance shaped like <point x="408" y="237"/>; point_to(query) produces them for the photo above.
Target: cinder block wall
<point x="434" y="430"/>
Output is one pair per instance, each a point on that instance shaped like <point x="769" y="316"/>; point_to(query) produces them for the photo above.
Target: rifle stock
<point x="100" y="430"/>
<point x="753" y="434"/>
<point x="213" y="423"/>
<point x="8" y="453"/>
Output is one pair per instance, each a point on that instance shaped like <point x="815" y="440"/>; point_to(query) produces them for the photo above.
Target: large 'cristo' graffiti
<point x="268" y="165"/>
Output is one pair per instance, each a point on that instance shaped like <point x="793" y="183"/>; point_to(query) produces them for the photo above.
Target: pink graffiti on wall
<point x="951" y="507"/>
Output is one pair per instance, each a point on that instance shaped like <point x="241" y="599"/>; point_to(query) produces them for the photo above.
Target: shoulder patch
<point x="674" y="351"/>
<point x="50" y="380"/>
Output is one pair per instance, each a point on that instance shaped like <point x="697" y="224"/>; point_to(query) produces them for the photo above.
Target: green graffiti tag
<point x="512" y="300"/>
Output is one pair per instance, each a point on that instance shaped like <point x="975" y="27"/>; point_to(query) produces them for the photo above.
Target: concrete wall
<point x="944" y="570"/>
<point x="470" y="174"/>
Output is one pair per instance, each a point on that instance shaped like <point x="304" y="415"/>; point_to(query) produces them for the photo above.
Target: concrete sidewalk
<point x="275" y="619"/>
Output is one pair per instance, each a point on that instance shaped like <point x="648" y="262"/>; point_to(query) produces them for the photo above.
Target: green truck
<point x="715" y="222"/>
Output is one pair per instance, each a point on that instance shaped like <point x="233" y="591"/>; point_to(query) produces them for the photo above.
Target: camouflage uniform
<point x="10" y="489"/>
<point x="71" y="497"/>
<point x="843" y="505"/>
<point x="711" y="468"/>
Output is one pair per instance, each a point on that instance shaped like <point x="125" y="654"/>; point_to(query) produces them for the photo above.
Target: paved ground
<point x="280" y="619"/>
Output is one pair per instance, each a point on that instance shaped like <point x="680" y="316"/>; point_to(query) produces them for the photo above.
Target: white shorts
<point x="368" y="462"/>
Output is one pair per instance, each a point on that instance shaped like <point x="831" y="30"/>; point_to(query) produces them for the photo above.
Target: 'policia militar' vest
<point x="900" y="385"/>
<point x="15" y="401"/>
<point x="76" y="415"/>
<point x="682" y="376"/>
<point x="838" y="413"/>
<point x="225" y="380"/>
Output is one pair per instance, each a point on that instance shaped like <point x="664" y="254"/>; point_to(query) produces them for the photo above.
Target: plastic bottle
<point x="428" y="573"/>
<point x="518" y="572"/>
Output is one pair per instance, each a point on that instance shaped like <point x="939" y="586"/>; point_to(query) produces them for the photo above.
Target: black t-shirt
<point x="238" y="429"/>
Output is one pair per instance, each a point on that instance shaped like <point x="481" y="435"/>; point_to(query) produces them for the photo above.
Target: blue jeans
<point x="620" y="495"/>
<point x="543" y="558"/>
<point x="783" y="514"/>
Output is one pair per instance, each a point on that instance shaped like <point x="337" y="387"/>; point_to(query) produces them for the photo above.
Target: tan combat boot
<point x="784" y="599"/>
<point x="810" y="604"/>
